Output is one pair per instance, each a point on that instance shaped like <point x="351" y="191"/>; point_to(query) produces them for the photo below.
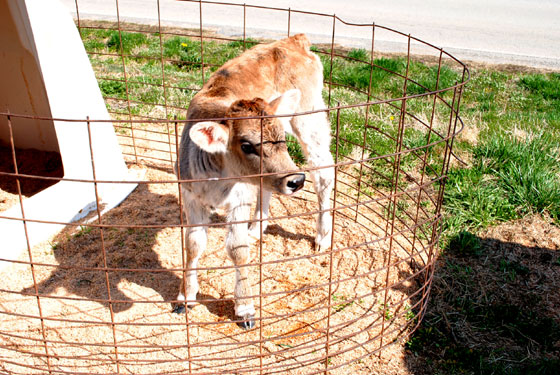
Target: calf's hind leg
<point x="313" y="133"/>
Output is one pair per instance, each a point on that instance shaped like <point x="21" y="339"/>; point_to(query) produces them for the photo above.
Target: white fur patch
<point x="287" y="104"/>
<point x="244" y="310"/>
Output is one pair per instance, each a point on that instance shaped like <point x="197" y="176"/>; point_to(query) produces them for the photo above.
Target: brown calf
<point x="283" y="77"/>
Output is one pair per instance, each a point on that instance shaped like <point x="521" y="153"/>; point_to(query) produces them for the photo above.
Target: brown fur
<point x="263" y="72"/>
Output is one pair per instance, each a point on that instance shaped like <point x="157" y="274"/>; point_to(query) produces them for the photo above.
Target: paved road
<point x="523" y="32"/>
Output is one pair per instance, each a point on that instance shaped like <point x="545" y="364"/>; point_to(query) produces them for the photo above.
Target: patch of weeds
<point x="465" y="243"/>
<point x="428" y="78"/>
<point x="351" y="133"/>
<point x="187" y="51"/>
<point x="113" y="89"/>
<point x="93" y="39"/>
<point x="84" y="230"/>
<point x="508" y="178"/>
<point x="147" y="91"/>
<point x="95" y="33"/>
<point x="359" y="54"/>
<point x="546" y="85"/>
<point x="342" y="302"/>
<point x="93" y="45"/>
<point x="473" y="201"/>
<point x="413" y="160"/>
<point x="415" y="138"/>
<point x="383" y="66"/>
<point x="357" y="74"/>
<point x="249" y="42"/>
<point x="126" y="41"/>
<point x="527" y="170"/>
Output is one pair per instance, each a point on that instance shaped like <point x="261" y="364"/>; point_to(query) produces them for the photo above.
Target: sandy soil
<point x="103" y="321"/>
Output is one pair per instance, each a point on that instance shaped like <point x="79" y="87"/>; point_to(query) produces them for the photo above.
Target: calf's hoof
<point x="254" y="233"/>
<point x="181" y="308"/>
<point x="323" y="243"/>
<point x="246" y="322"/>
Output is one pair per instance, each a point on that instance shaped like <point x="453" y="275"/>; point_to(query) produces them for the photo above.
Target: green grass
<point x="508" y="175"/>
<point x="125" y="41"/>
<point x="465" y="243"/>
<point x="546" y="86"/>
<point x="185" y="50"/>
<point x="508" y="178"/>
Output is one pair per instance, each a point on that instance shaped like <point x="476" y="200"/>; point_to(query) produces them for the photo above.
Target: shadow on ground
<point x="493" y="307"/>
<point x="134" y="251"/>
<point x="82" y="253"/>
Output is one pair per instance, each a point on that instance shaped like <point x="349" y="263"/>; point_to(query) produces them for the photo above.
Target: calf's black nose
<point x="296" y="181"/>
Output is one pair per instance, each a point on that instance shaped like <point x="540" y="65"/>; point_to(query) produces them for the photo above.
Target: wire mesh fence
<point x="98" y="297"/>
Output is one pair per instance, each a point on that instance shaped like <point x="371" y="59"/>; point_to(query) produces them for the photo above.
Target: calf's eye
<point x="248" y="148"/>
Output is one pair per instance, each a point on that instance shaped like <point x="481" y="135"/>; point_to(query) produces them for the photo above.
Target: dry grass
<point x="494" y="303"/>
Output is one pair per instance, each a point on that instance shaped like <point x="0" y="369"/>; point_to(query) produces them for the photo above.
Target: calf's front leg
<point x="261" y="212"/>
<point x="195" y="243"/>
<point x="238" y="250"/>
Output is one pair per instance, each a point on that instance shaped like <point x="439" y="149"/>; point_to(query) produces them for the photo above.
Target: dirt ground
<point x="494" y="304"/>
<point x="106" y="296"/>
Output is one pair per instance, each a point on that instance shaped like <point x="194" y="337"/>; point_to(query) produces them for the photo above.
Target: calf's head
<point x="240" y="139"/>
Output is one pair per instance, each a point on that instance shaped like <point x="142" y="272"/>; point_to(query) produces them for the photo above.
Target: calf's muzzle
<point x="292" y="183"/>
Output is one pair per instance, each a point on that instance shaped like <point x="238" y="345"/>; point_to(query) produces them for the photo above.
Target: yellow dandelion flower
<point x="392" y="118"/>
<point x="184" y="44"/>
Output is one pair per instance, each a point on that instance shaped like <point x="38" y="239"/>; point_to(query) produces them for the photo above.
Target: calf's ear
<point x="210" y="136"/>
<point x="286" y="104"/>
